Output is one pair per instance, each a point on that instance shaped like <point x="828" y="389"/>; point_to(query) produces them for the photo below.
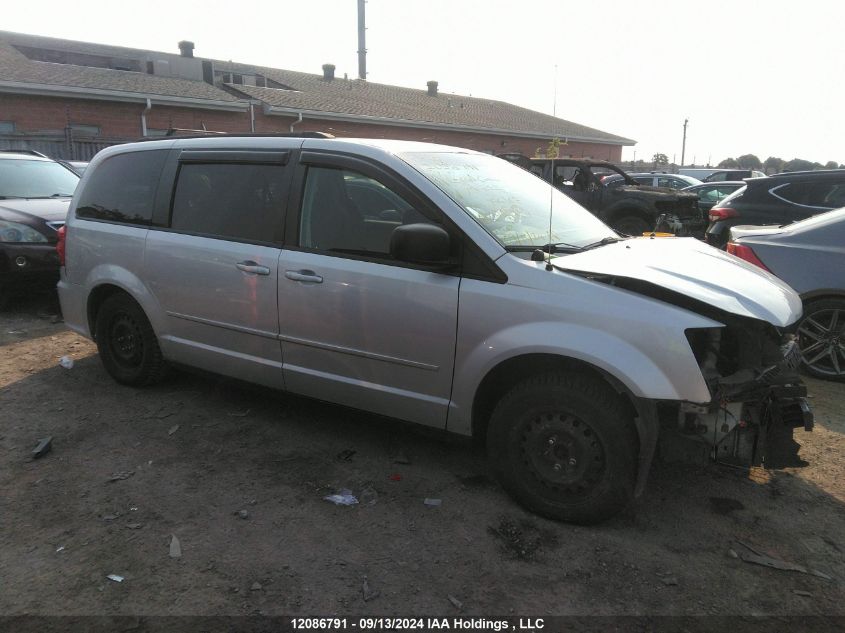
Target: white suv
<point x="437" y="285"/>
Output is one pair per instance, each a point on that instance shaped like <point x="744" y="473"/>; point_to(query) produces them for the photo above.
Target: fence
<point x="64" y="145"/>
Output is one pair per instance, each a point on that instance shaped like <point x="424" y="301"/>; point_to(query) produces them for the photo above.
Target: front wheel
<point x="631" y="225"/>
<point x="564" y="447"/>
<point x="127" y="344"/>
<point x="821" y="339"/>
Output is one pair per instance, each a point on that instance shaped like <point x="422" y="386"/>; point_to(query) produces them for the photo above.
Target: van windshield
<point x="510" y="203"/>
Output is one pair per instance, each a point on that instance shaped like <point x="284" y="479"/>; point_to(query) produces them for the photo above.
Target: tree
<point x="553" y="150"/>
<point x="831" y="164"/>
<point x="749" y="161"/>
<point x="773" y="165"/>
<point x="729" y="163"/>
<point x="659" y="160"/>
<point x="799" y="164"/>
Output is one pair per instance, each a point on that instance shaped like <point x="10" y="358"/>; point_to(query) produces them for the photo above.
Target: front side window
<point x="23" y="178"/>
<point x="122" y="188"/>
<point x="347" y="212"/>
<point x="509" y="203"/>
<point x="229" y="201"/>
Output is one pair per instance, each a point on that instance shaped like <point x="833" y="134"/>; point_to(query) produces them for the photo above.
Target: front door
<point x="357" y="327"/>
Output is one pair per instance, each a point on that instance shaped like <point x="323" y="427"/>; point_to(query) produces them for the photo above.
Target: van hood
<point x="689" y="267"/>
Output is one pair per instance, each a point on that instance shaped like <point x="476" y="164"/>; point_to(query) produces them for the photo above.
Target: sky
<point x="756" y="77"/>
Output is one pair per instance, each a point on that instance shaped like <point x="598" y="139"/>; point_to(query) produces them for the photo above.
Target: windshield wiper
<point x="557" y="247"/>
<point x="10" y="197"/>
<point x="52" y="195"/>
<point x="602" y="242"/>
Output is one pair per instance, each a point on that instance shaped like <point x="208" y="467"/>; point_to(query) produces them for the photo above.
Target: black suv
<point x="616" y="198"/>
<point x="779" y="199"/>
<point x="35" y="192"/>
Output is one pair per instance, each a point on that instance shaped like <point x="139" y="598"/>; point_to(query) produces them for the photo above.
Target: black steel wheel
<point x="126" y="342"/>
<point x="821" y="339"/>
<point x="564" y="447"/>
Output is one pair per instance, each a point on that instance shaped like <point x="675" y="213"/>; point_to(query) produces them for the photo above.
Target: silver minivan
<point x="435" y="285"/>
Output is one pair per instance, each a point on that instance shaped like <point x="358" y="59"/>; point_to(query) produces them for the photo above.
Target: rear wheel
<point x="631" y="225"/>
<point x="564" y="447"/>
<point x="127" y="344"/>
<point x="821" y="339"/>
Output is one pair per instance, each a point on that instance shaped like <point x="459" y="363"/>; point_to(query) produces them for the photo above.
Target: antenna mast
<point x="362" y="41"/>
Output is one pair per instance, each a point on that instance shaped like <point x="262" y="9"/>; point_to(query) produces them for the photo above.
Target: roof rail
<point x="206" y="134"/>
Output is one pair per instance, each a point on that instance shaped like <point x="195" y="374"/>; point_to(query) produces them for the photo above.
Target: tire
<point x="127" y="344"/>
<point x="821" y="339"/>
<point x="631" y="225"/>
<point x="592" y="437"/>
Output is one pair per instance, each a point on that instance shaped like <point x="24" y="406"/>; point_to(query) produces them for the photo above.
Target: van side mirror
<point x="420" y="244"/>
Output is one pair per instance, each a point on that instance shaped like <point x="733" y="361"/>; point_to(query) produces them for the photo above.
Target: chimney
<point x="186" y="48"/>
<point x="432" y="88"/>
<point x="328" y="72"/>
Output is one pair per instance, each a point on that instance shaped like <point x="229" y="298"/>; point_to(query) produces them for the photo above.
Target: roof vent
<point x="186" y="48"/>
<point x="432" y="88"/>
<point x="328" y="72"/>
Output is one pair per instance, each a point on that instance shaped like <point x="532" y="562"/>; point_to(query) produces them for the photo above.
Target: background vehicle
<point x="670" y="181"/>
<point x="77" y="166"/>
<point x="721" y="175"/>
<point x="709" y="193"/>
<point x="779" y="199"/>
<point x="620" y="201"/>
<point x="809" y="256"/>
<point x="334" y="269"/>
<point x="34" y="195"/>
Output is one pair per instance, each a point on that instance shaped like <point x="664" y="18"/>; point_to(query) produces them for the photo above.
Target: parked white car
<point x="436" y="285"/>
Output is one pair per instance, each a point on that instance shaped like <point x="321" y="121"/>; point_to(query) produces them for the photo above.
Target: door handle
<point x="307" y="276"/>
<point x="250" y="266"/>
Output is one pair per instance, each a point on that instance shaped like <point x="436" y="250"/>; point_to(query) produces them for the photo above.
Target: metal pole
<point x="684" y="145"/>
<point x="362" y="42"/>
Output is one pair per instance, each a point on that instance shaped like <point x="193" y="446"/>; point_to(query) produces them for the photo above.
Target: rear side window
<point x="829" y="194"/>
<point x="229" y="201"/>
<point x="122" y="188"/>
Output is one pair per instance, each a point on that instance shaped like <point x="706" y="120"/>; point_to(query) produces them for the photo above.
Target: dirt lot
<point x="198" y="450"/>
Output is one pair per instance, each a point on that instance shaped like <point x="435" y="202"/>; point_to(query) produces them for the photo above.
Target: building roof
<point x="21" y="74"/>
<point x="310" y="94"/>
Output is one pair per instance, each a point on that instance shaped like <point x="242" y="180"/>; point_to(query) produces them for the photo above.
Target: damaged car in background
<point x="575" y="354"/>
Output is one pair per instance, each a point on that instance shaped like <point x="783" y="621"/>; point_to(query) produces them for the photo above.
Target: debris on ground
<point x="432" y="503"/>
<point x="173" y="429"/>
<point x="368" y="496"/>
<point x="134" y="526"/>
<point x="66" y="362"/>
<point x="725" y="505"/>
<point x="115" y="577"/>
<point x="395" y="477"/>
<point x="802" y="593"/>
<point x="175" y="547"/>
<point x="756" y="558"/>
<point x="60" y="549"/>
<point x="342" y="498"/>
<point x="43" y="447"/>
<point x="367" y="592"/>
<point x="345" y="455"/>
<point x="457" y="603"/>
<point x="111" y="517"/>
<point x="239" y="414"/>
<point x="522" y="539"/>
<point x="669" y="581"/>
<point x="256" y="586"/>
<point x="120" y="476"/>
<point x="242" y="514"/>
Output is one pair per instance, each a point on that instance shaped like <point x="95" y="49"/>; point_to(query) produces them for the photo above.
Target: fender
<point x="128" y="281"/>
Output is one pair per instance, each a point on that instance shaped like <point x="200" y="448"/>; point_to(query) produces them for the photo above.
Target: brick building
<point x="69" y="99"/>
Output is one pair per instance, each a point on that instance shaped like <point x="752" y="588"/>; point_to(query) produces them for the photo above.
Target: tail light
<point x="722" y="213"/>
<point x="745" y="252"/>
<point x="60" y="245"/>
